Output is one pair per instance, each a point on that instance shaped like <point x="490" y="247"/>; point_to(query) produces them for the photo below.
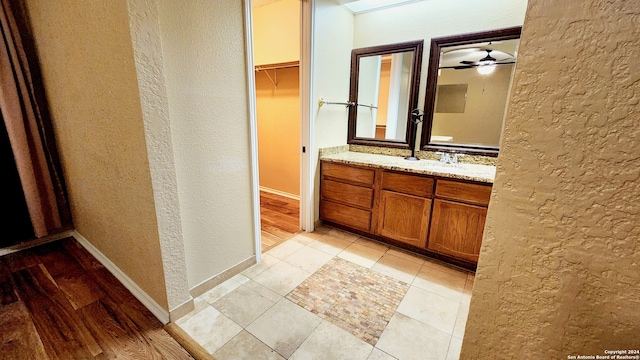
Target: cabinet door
<point x="456" y="229"/>
<point x="404" y="217"/>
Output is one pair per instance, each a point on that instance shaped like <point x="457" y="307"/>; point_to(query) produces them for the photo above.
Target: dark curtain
<point x="28" y="123"/>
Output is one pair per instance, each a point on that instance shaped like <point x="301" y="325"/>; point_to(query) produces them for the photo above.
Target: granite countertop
<point x="471" y="172"/>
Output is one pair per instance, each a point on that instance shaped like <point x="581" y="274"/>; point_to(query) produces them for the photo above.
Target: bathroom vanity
<point x="437" y="208"/>
<point x="423" y="206"/>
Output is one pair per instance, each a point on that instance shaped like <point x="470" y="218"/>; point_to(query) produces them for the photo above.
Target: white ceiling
<point x="360" y="6"/>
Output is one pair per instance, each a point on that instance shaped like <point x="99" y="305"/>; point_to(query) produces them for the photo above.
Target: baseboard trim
<point x="216" y="280"/>
<point x="146" y="300"/>
<point x="35" y="242"/>
<point x="281" y="193"/>
<point x="182" y="310"/>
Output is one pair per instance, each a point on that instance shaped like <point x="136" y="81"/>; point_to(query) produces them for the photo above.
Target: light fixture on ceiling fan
<point x="487" y="64"/>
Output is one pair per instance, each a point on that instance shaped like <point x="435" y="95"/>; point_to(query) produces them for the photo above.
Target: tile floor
<point x="385" y="304"/>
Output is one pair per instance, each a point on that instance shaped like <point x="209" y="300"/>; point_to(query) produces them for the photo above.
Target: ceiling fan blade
<point x="464" y="67"/>
<point x="470" y="66"/>
<point x="467" y="62"/>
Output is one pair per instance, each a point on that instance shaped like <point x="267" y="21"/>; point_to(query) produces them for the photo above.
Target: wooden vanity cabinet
<point x="443" y="218"/>
<point x="405" y="207"/>
<point x="457" y="224"/>
<point x="346" y="194"/>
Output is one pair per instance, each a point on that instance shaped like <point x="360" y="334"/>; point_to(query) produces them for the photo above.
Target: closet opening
<point x="276" y="55"/>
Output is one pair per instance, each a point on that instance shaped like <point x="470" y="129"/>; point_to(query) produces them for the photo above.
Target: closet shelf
<point x="276" y="66"/>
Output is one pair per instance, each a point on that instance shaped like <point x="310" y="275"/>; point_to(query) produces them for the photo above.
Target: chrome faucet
<point x="449" y="158"/>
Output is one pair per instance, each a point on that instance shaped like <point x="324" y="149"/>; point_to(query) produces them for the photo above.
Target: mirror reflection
<point x="468" y="97"/>
<point x="383" y="96"/>
<point x="384" y="89"/>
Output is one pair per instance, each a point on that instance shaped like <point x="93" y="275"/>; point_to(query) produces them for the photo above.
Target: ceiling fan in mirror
<point x="487" y="59"/>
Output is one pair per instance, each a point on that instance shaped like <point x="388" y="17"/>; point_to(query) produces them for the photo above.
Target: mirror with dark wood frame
<point x="384" y="90"/>
<point x="468" y="86"/>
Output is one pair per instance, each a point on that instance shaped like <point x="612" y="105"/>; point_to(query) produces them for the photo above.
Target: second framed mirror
<point x="384" y="90"/>
<point x="468" y="86"/>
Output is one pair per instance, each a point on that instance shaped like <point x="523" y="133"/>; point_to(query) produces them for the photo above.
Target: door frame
<point x="307" y="196"/>
<point x="307" y="221"/>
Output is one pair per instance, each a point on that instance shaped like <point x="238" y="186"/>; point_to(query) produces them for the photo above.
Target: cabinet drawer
<point x="407" y="184"/>
<point x="346" y="215"/>
<point x="353" y="195"/>
<point x="348" y="173"/>
<point x="466" y="192"/>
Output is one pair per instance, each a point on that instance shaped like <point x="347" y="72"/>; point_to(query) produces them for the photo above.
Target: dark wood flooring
<point x="58" y="302"/>
<point x="279" y="217"/>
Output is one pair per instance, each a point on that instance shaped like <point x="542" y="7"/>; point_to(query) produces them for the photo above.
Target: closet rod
<point x="277" y="66"/>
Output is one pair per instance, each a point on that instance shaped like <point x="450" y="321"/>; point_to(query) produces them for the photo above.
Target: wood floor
<point x="58" y="302"/>
<point x="280" y="219"/>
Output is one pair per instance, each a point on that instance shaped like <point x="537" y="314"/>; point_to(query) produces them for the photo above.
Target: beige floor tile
<point x="454" y="349"/>
<point x="429" y="308"/>
<point x="461" y="321"/>
<point x="308" y="259"/>
<point x="306" y="238"/>
<point x="398" y="268"/>
<point x="266" y="262"/>
<point x="444" y="267"/>
<point x="406" y="255"/>
<point x="223" y="289"/>
<point x="378" y="354"/>
<point x="284" y="327"/>
<point x="210" y="328"/>
<point x="199" y="305"/>
<point x="243" y="305"/>
<point x="407" y="339"/>
<point x="281" y="278"/>
<point x="441" y="283"/>
<point x="328" y="341"/>
<point x="343" y="234"/>
<point x="263" y="291"/>
<point x="285" y="249"/>
<point x="362" y="255"/>
<point x="330" y="244"/>
<point x="246" y="346"/>
<point x="372" y="244"/>
<point x="322" y="229"/>
<point x="468" y="289"/>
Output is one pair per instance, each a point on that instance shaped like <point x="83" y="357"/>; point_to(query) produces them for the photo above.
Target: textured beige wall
<point x="560" y="262"/>
<point x="90" y="79"/>
<point x="203" y="45"/>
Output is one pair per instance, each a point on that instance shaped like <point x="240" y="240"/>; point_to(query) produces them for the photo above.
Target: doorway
<point x="16" y="222"/>
<point x="276" y="55"/>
